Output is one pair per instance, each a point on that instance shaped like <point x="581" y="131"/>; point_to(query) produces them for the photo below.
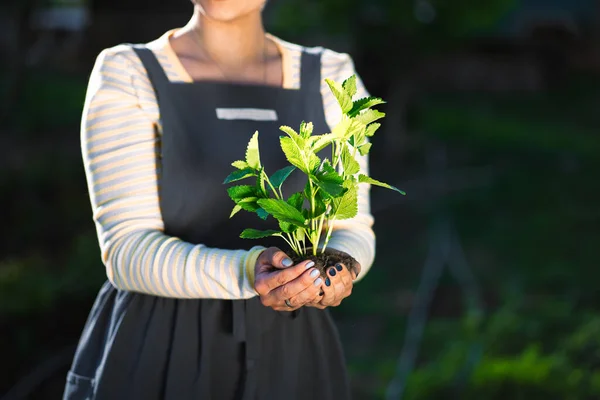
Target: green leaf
<point x="313" y="160"/>
<point x="319" y="142"/>
<point x="244" y="196"/>
<point x="356" y="133"/>
<point x="286" y="227"/>
<point x="248" y="200"/>
<point x="250" y="206"/>
<point x="256" y="234"/>
<point x="340" y="131"/>
<point x="262" y="214"/>
<point x="357" y="130"/>
<point x="252" y="152"/>
<point x="366" y="179"/>
<point x="369" y="116"/>
<point x="364" y="149"/>
<point x="321" y="202"/>
<point x="349" y="86"/>
<point x="372" y="128"/>
<point x="296" y="200"/>
<point x="306" y="129"/>
<point x="239" y="174"/>
<point x="343" y="99"/>
<point x="292" y="134"/>
<point x="237" y="193"/>
<point x="350" y="165"/>
<point x="328" y="180"/>
<point x="261" y="184"/>
<point x="292" y="152"/>
<point x="304" y="159"/>
<point x="240" y="164"/>
<point x="364" y="103"/>
<point x="346" y="207"/>
<point x="282" y="211"/>
<point x="280" y="176"/>
<point x="235" y="210"/>
<point x="300" y="235"/>
<point x="289" y="131"/>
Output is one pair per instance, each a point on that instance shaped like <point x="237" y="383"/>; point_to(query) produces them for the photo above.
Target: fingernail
<point x="314" y="273"/>
<point x="327" y="282"/>
<point x="318" y="281"/>
<point x="310" y="264"/>
<point x="332" y="272"/>
<point x="338" y="267"/>
<point x="287" y="262"/>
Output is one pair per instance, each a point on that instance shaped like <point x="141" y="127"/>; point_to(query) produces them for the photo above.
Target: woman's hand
<point x="277" y="280"/>
<point x="338" y="284"/>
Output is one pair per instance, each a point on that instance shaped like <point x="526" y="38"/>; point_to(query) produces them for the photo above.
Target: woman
<point x="186" y="312"/>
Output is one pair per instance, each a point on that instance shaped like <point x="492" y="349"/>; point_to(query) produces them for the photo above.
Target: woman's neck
<point x="232" y="43"/>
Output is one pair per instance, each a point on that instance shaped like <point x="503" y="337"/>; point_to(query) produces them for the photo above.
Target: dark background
<point x="485" y="284"/>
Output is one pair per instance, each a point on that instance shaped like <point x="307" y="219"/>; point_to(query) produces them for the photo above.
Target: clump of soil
<point x="330" y="258"/>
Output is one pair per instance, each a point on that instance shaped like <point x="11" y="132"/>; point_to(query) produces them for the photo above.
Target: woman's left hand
<point x="336" y="287"/>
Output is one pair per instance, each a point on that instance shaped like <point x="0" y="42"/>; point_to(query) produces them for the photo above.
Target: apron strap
<point x="310" y="69"/>
<point x="155" y="71"/>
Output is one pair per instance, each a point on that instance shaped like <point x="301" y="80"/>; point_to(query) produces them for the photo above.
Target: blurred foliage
<point x="36" y="283"/>
<point x="559" y="120"/>
<point x="454" y="120"/>
<point x="50" y="100"/>
<point x="428" y="22"/>
<point x="529" y="372"/>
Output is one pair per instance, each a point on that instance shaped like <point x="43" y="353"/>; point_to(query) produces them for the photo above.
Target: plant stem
<point x="333" y="152"/>
<point x="290" y="242"/>
<point x="271" y="186"/>
<point x="329" y="231"/>
<point x="320" y="230"/>
<point x="298" y="244"/>
<point x="311" y="199"/>
<point x="304" y="242"/>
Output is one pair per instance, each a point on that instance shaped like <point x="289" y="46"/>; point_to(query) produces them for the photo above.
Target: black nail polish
<point x="338" y="267"/>
<point x="332" y="272"/>
<point x="327" y="282"/>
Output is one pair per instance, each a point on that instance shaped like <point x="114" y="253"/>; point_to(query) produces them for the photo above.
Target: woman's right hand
<point x="277" y="280"/>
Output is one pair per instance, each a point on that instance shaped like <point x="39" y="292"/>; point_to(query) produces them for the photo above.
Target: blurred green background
<point x="492" y="130"/>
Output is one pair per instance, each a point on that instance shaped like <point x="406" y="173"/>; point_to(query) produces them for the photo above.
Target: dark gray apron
<point x="141" y="347"/>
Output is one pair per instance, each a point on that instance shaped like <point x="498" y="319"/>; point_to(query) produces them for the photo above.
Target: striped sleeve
<point x="353" y="236"/>
<point x="118" y="141"/>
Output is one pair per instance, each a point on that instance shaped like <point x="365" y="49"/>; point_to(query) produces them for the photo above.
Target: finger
<point x="337" y="283"/>
<point x="278" y="259"/>
<point x="345" y="276"/>
<point x="265" y="282"/>
<point x="356" y="268"/>
<point x="307" y="295"/>
<point x="316" y="304"/>
<point x="308" y="279"/>
<point x="316" y="301"/>
<point x="328" y="292"/>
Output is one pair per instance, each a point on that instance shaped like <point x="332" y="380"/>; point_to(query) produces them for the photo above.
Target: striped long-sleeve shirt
<point x="119" y="132"/>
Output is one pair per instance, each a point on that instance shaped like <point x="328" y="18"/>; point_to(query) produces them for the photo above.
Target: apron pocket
<point x="78" y="387"/>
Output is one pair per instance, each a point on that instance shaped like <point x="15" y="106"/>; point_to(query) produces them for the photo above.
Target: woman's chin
<point x="228" y="10"/>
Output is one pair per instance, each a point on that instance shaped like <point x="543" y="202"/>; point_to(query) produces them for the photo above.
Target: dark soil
<point x="330" y="258"/>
